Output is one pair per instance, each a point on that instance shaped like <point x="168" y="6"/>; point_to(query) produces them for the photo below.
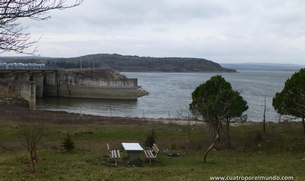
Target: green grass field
<point x="279" y="152"/>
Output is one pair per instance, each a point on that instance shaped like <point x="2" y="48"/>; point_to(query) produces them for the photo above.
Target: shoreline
<point x="16" y="111"/>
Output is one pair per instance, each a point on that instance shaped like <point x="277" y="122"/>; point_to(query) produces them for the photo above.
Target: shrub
<point x="151" y="138"/>
<point x="68" y="143"/>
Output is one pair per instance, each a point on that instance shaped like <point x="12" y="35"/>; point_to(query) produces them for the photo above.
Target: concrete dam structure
<point x="60" y="83"/>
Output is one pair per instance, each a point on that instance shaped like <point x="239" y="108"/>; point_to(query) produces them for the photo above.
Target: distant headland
<point x="126" y="63"/>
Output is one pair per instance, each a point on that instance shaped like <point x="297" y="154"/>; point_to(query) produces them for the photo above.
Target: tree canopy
<point x="12" y="36"/>
<point x="291" y="100"/>
<point x="215" y="100"/>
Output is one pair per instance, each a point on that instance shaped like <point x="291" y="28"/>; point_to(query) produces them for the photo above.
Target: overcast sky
<point x="224" y="31"/>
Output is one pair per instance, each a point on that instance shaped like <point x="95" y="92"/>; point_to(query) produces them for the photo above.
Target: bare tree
<point x="12" y="36"/>
<point x="185" y="114"/>
<point x="31" y="134"/>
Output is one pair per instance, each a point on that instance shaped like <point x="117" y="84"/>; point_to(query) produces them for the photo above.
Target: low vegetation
<point x="68" y="143"/>
<point x="280" y="152"/>
<point x="95" y="73"/>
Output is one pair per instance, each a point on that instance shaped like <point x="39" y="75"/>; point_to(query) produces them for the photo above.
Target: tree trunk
<point x="228" y="133"/>
<point x="35" y="155"/>
<point x="214" y="142"/>
<point x="303" y="124"/>
<point x="210" y="148"/>
<point x="218" y="135"/>
<point x="32" y="159"/>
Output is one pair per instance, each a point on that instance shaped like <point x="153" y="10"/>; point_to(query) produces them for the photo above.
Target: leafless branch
<point x="12" y="36"/>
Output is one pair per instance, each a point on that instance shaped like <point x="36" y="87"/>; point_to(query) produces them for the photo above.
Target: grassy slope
<point x="279" y="152"/>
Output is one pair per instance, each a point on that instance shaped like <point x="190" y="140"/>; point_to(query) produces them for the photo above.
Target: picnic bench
<point x="114" y="154"/>
<point x="152" y="154"/>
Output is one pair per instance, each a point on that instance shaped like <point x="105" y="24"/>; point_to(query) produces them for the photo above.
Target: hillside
<point x="130" y="63"/>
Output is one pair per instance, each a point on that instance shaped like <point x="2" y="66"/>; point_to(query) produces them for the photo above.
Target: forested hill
<point x="134" y="63"/>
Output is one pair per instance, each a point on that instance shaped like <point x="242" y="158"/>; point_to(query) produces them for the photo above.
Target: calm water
<point x="171" y="92"/>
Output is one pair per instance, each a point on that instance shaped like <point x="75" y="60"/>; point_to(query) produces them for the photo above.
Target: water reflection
<point x="88" y="106"/>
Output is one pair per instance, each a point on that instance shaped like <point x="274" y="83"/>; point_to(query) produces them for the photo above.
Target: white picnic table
<point x="134" y="151"/>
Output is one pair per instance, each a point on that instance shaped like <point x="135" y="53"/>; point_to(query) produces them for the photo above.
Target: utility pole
<point x="264" y="121"/>
<point x="81" y="63"/>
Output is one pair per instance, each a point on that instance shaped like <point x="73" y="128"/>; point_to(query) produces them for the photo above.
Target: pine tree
<point x="215" y="101"/>
<point x="68" y="143"/>
<point x="151" y="139"/>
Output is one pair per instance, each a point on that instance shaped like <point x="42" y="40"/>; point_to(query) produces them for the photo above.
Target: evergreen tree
<point x="151" y="138"/>
<point x="214" y="101"/>
<point x="68" y="143"/>
<point x="291" y="100"/>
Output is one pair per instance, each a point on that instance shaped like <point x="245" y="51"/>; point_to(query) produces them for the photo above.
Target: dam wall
<point x="27" y="90"/>
<point x="59" y="83"/>
<point x="80" y="87"/>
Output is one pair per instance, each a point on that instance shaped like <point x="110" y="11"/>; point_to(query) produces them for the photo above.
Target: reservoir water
<point x="170" y="93"/>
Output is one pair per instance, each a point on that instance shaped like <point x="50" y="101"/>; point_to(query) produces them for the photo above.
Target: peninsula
<point x="127" y="63"/>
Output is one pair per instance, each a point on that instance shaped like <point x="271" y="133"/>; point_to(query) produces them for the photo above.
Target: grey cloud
<point x="220" y="30"/>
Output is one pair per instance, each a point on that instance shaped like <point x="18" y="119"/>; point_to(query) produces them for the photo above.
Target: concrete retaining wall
<point x="27" y="90"/>
<point x="32" y="83"/>
<point x="70" y="86"/>
<point x="97" y="92"/>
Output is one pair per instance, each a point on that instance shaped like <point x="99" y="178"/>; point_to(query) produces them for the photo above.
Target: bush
<point x="68" y="143"/>
<point x="151" y="139"/>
